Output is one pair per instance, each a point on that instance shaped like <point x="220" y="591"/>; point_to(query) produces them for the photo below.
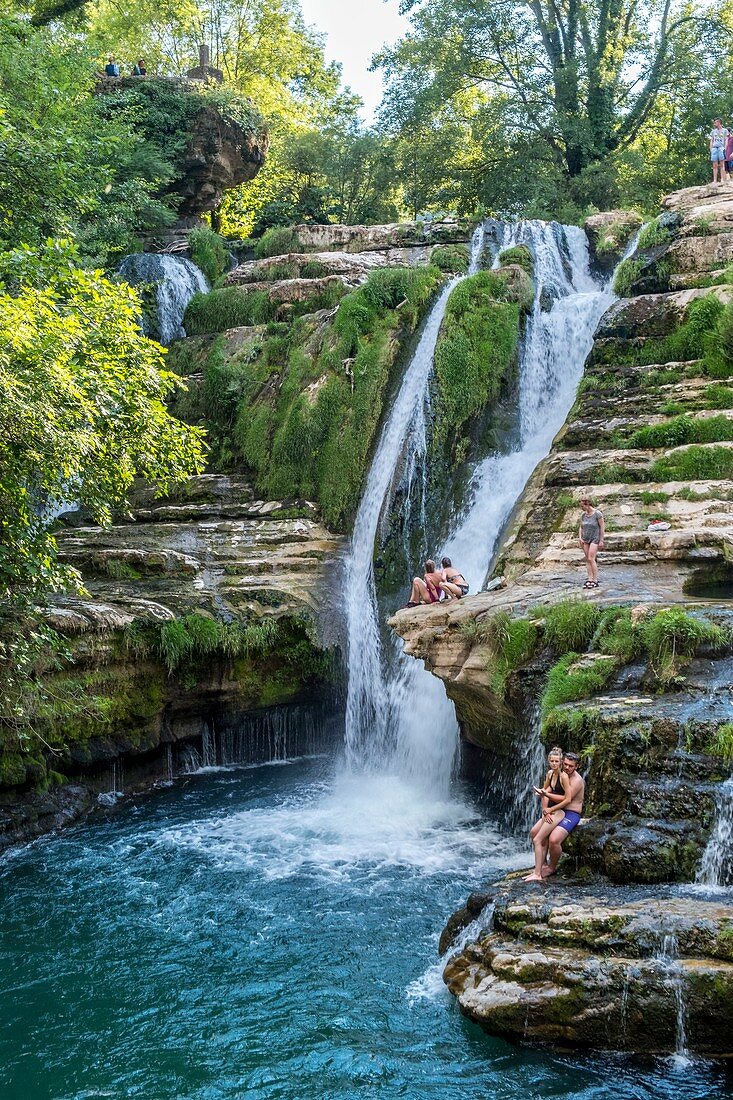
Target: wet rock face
<point x="220" y="155"/>
<point x="646" y="974"/>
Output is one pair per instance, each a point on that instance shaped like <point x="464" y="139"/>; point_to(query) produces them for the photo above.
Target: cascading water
<point x="175" y="281"/>
<point x="398" y="715"/>
<point x="716" y="867"/>
<point x="374" y="733"/>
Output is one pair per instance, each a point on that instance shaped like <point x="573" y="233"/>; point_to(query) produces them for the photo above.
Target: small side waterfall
<point x="174" y="281"/>
<point x="716" y="867"/>
<point x="669" y="957"/>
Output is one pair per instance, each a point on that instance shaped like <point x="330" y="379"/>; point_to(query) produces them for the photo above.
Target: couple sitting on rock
<point x="436" y="584"/>
<point x="562" y="804"/>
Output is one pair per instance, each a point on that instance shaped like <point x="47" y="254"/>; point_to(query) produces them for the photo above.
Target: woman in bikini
<point x="454" y="585"/>
<point x="591" y="533"/>
<point x="556" y="784"/>
<point x="426" y="589"/>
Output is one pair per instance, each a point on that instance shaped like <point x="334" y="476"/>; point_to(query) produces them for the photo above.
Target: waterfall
<point x="174" y="281"/>
<point x="716" y="867"/>
<point x="370" y="712"/>
<point x="669" y="957"/>
<point x="398" y="715"/>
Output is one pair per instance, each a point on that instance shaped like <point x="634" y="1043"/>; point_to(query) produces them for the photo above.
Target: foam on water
<point x="354" y="827"/>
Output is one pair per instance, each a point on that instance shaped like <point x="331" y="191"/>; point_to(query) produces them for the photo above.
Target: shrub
<point x="209" y="253"/>
<point x="520" y="255"/>
<point x="451" y="258"/>
<point x="684" y="429"/>
<point x="627" y="273"/>
<point x="672" y="636"/>
<point x="718" y="397"/>
<point x="228" y="307"/>
<point x="653" y="235"/>
<point x="694" y="464"/>
<point x="277" y="241"/>
<point x="566" y="683"/>
<point x="570" y="625"/>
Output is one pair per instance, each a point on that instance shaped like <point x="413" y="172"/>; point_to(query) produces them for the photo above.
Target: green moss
<point x="570" y="624"/>
<point x="627" y="273"/>
<point x="617" y="636"/>
<point x="12" y="769"/>
<point x="519" y="255"/>
<point x="653" y="235"/>
<point x="572" y="678"/>
<point x="474" y="357"/>
<point x="209" y="252"/>
<point x="451" y="258"/>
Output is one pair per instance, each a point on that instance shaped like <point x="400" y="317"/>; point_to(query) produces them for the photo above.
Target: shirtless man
<point x="572" y="804"/>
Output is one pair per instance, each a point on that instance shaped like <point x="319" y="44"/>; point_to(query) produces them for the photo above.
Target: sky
<point x="357" y="29"/>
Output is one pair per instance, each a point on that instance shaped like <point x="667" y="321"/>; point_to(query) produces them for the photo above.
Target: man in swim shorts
<point x="573" y="812"/>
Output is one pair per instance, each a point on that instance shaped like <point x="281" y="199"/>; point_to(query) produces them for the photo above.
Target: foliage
<point x="82" y="410"/>
<point x="694" y="463"/>
<point x="627" y="273"/>
<point x="683" y="429"/>
<point x="574" y="677"/>
<point x="510" y="642"/>
<point x="613" y="237"/>
<point x="179" y="642"/>
<point x="228" y="307"/>
<point x="672" y="636"/>
<point x="277" y="242"/>
<point x="475" y="354"/>
<point x="570" y="624"/>
<point x="452" y="258"/>
<point x="616" y="634"/>
<point x="721" y="743"/>
<point x="208" y="252"/>
<point x="653" y="235"/>
<point x="520" y="255"/>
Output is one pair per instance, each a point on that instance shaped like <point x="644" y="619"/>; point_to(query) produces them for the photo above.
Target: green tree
<point x="561" y="86"/>
<point x="82" y="408"/>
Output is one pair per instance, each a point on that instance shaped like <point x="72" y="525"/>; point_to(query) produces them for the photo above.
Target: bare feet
<point x="533" y="878"/>
<point x="547" y="871"/>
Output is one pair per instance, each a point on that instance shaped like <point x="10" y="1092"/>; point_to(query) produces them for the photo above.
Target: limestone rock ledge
<point x="577" y="967"/>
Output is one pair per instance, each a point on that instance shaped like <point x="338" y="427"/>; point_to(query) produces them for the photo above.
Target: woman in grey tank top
<point x="591" y="534"/>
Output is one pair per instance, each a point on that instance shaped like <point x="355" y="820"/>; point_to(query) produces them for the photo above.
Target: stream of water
<point x="271" y="931"/>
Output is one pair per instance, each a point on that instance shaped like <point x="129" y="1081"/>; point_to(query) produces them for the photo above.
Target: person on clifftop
<point x="111" y="68"/>
<point x="718" y="137"/>
<point x="591" y="534"/>
<point x="455" y="585"/>
<point x="140" y="68"/>
<point x="426" y="589"/>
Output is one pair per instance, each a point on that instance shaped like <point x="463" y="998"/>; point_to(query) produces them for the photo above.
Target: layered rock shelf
<point x="635" y="674"/>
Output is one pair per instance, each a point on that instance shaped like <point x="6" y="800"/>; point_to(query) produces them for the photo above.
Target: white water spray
<point x="716" y="867"/>
<point x="399" y="718"/>
<point x="175" y="281"/>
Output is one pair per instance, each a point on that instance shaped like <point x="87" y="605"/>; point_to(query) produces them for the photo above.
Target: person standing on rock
<point x="718" y="137"/>
<point x="591" y="534"/>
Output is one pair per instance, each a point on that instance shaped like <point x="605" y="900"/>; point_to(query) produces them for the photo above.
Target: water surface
<point x="264" y="933"/>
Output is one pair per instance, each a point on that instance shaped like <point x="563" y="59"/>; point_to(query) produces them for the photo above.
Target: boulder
<point x="220" y="154"/>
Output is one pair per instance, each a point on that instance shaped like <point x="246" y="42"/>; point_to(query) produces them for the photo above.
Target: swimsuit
<point x="463" y="587"/>
<point x="569" y="822"/>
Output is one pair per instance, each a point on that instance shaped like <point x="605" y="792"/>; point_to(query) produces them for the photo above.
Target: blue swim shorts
<point x="717" y="153"/>
<point x="570" y="821"/>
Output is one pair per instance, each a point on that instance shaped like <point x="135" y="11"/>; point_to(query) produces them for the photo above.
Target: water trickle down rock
<point x="174" y="281"/>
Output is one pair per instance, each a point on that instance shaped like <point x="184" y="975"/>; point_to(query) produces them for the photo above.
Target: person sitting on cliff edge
<point x="428" y="588"/>
<point x="455" y="586"/>
<point x="571" y="801"/>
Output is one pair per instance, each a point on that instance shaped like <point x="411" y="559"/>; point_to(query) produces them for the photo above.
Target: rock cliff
<point x="636" y="674"/>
